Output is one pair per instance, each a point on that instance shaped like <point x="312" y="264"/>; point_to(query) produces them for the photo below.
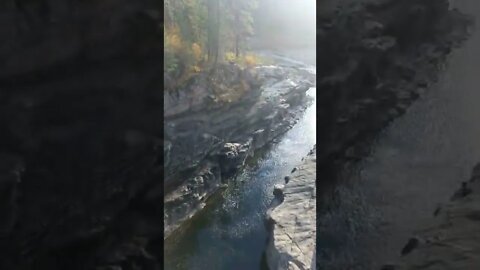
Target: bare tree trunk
<point x="217" y="31"/>
<point x="210" y="33"/>
<point x="237" y="35"/>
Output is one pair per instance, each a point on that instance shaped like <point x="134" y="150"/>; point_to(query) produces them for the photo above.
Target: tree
<point x="199" y="30"/>
<point x="213" y="30"/>
<point x="241" y="22"/>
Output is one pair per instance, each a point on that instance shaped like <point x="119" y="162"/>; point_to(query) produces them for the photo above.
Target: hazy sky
<point x="289" y="21"/>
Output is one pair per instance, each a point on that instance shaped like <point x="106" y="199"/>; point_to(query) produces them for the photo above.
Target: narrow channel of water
<point x="230" y="233"/>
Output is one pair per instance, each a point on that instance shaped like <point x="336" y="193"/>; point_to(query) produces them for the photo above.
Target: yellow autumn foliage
<point x="173" y="39"/>
<point x="197" y="51"/>
<point x="251" y="60"/>
<point x="196" y="69"/>
<point x="230" y="57"/>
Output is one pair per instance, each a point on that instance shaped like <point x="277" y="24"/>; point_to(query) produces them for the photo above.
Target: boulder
<point x="232" y="157"/>
<point x="278" y="190"/>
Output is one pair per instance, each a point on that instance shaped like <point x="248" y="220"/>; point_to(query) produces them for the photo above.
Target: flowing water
<point x="230" y="232"/>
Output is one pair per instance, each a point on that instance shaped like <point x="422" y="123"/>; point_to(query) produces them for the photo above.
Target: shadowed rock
<point x="388" y="267"/>
<point x="453" y="234"/>
<point x="410" y="246"/>
<point x="464" y="191"/>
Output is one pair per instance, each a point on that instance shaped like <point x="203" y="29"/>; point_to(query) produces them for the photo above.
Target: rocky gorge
<point x="82" y="173"/>
<point x="209" y="133"/>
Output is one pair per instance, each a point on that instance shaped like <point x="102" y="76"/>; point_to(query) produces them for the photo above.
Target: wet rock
<point x="293" y="170"/>
<point x="475" y="173"/>
<point x="188" y="199"/>
<point x="224" y="186"/>
<point x="373" y="28"/>
<point x="278" y="190"/>
<point x="412" y="244"/>
<point x="388" y="267"/>
<point x="393" y="112"/>
<point x="403" y="94"/>
<point x="260" y="138"/>
<point x="464" y="191"/>
<point x="232" y="157"/>
<point x="453" y="234"/>
<point x="380" y="43"/>
<point x="437" y="210"/>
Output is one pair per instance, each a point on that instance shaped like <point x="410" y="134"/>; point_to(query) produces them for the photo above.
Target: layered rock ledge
<point x="215" y="123"/>
<point x="292" y="220"/>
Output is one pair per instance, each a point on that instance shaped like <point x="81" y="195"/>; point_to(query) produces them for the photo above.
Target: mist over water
<point x="286" y="23"/>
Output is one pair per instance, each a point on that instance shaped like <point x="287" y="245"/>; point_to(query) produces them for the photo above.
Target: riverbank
<point x="292" y="219"/>
<point x="230" y="232"/>
<point x="451" y="240"/>
<point x="212" y="128"/>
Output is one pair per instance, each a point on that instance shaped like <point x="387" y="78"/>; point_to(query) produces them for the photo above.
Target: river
<point x="415" y="164"/>
<point x="230" y="232"/>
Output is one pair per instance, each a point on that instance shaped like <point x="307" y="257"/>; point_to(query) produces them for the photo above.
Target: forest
<point x="198" y="34"/>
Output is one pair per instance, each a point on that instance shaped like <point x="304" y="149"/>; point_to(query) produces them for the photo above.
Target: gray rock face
<point x="232" y="157"/>
<point x="292" y="239"/>
<point x="278" y="191"/>
<point x="202" y="128"/>
<point x="190" y="197"/>
<point x="220" y="130"/>
<point x="454" y="233"/>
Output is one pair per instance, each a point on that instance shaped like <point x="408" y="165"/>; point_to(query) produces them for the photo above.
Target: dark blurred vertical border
<point x="162" y="28"/>
<point x="317" y="181"/>
<point x="157" y="245"/>
<point x="81" y="132"/>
